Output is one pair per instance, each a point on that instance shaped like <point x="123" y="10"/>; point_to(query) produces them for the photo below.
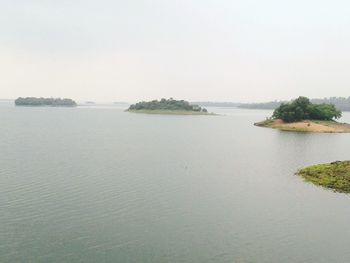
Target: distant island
<point x="167" y="106"/>
<point x="53" y="102"/>
<point x="334" y="175"/>
<point x="303" y="116"/>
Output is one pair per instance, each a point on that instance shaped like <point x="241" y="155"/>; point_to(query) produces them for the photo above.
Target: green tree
<point x="302" y="109"/>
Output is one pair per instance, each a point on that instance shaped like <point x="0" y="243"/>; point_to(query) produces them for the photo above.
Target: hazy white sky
<point x="217" y="50"/>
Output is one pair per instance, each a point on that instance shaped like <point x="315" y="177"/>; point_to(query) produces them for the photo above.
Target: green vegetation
<point x="32" y="101"/>
<point x="335" y="175"/>
<point x="302" y="109"/>
<point x="165" y="106"/>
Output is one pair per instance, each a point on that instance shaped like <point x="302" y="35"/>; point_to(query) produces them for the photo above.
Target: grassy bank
<point x="306" y="126"/>
<point x="334" y="175"/>
<point x="171" y="112"/>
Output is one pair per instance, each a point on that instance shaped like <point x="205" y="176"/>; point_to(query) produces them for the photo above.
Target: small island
<point x="170" y="106"/>
<point x="53" y="102"/>
<point x="301" y="115"/>
<point x="334" y="175"/>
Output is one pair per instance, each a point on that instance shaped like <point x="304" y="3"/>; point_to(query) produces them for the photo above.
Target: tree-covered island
<point x="167" y="106"/>
<point x="53" y="102"/>
<point x="303" y="116"/>
<point x="334" y="175"/>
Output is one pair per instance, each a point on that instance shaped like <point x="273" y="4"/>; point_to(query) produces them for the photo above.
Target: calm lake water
<point x="103" y="185"/>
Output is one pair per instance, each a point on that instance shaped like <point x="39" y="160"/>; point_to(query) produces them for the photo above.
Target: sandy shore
<point x="307" y="126"/>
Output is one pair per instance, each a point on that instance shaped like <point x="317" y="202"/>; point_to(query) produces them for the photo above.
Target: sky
<point x="198" y="50"/>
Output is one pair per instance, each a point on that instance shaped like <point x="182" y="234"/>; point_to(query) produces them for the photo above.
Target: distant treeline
<point x="54" y="102"/>
<point x="341" y="103"/>
<point x="215" y="104"/>
<point x="271" y="105"/>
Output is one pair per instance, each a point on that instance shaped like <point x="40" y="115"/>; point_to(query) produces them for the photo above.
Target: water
<point x="103" y="185"/>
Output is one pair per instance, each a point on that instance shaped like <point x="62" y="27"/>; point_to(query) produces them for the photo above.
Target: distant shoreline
<point x="312" y="126"/>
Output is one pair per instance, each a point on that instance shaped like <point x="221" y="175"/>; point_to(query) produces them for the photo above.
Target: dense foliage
<point x="164" y="104"/>
<point x="303" y="109"/>
<point x="32" y="101"/>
